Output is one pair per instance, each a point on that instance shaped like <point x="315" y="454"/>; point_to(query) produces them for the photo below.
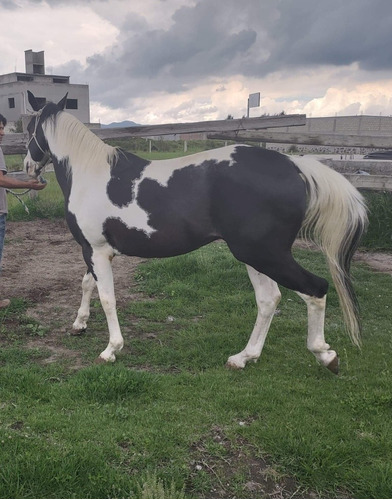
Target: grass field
<point x="168" y="420"/>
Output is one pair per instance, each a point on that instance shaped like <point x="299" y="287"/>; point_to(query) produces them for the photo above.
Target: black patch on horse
<point x="124" y="171"/>
<point x="179" y="213"/>
<point x="77" y="233"/>
<point x="64" y="178"/>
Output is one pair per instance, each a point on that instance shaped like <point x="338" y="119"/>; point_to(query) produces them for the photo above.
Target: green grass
<point x="48" y="203"/>
<point x="138" y="428"/>
<point x="14" y="162"/>
<point x="379" y="234"/>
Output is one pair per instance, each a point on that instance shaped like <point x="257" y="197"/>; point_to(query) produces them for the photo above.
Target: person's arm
<point x="12" y="183"/>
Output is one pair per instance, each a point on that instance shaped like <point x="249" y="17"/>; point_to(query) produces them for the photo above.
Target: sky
<point x="172" y="61"/>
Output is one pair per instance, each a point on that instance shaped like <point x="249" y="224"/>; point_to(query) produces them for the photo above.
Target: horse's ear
<point x="61" y="104"/>
<point x="33" y="101"/>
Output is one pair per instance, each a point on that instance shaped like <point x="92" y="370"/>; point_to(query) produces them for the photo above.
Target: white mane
<point x="68" y="137"/>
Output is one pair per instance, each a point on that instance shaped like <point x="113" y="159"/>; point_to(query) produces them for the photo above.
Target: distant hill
<point x="123" y="124"/>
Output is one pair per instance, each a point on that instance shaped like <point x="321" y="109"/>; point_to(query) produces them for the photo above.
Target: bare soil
<point x="43" y="264"/>
<point x="377" y="261"/>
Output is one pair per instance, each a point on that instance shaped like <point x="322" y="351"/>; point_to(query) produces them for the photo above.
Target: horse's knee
<point x="88" y="282"/>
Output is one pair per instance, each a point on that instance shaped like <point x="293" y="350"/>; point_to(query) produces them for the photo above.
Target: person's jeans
<point x="3" y="218"/>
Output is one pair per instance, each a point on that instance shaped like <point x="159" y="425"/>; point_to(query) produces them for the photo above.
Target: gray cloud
<point x="8" y="4"/>
<point x="252" y="37"/>
<point x="310" y="33"/>
<point x="13" y="5"/>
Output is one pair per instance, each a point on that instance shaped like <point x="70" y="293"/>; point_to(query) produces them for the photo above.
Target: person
<point x="7" y="182"/>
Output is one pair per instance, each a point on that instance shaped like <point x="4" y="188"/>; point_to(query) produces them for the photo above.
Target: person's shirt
<point x="3" y="192"/>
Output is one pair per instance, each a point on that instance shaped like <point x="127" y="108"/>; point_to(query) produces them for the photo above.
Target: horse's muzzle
<point x="32" y="169"/>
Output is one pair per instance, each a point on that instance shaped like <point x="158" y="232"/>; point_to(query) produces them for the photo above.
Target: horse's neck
<point x="70" y="139"/>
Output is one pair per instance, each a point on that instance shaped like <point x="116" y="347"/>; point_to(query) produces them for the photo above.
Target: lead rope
<point x="18" y="195"/>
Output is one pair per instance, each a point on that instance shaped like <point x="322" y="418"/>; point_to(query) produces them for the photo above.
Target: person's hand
<point x="37" y="185"/>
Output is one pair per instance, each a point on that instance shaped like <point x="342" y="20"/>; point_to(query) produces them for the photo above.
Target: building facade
<point x="14" y="86"/>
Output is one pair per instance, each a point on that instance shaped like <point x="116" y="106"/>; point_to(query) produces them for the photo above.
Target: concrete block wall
<point x="350" y="125"/>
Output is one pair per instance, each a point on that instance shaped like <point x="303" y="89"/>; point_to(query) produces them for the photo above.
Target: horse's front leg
<point x="103" y="271"/>
<point x="80" y="324"/>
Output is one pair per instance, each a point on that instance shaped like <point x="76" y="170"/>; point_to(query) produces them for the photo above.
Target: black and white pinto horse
<point x="254" y="199"/>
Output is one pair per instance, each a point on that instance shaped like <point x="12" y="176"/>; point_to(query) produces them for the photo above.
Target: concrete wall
<point x="340" y="125"/>
<point x="350" y="125"/>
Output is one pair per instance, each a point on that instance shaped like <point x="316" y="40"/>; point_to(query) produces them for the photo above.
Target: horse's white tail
<point x="335" y="220"/>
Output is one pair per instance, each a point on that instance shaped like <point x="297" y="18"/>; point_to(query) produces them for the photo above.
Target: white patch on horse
<point x="92" y="215"/>
<point x="162" y="171"/>
<point x="96" y="155"/>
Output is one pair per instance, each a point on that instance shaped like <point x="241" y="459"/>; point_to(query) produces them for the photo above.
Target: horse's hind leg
<point x="281" y="267"/>
<point x="267" y="298"/>
<point x="316" y="341"/>
<point x="313" y="290"/>
<point x="80" y="324"/>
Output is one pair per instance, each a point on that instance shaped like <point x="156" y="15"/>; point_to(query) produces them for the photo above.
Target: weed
<point x="150" y="486"/>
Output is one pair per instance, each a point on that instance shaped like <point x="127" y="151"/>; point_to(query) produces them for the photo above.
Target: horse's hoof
<point x="100" y="361"/>
<point x="233" y="366"/>
<point x="104" y="358"/>
<point x="76" y="332"/>
<point x="333" y="366"/>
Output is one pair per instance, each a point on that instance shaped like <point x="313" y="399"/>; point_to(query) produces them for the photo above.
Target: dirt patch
<point x="235" y="469"/>
<point x="43" y="264"/>
<point x="381" y="262"/>
<point x="377" y="261"/>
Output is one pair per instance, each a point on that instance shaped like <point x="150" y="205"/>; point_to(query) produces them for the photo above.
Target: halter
<point x="41" y="164"/>
<point x="47" y="157"/>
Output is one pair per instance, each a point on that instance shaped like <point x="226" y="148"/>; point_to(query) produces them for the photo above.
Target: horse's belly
<point x="167" y="242"/>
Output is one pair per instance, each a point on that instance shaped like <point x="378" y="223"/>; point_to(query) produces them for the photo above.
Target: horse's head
<point x="38" y="152"/>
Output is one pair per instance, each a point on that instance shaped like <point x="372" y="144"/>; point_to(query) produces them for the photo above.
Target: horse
<point x="256" y="200"/>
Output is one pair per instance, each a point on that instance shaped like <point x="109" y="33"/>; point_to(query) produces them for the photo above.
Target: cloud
<point x="362" y="99"/>
<point x="57" y="31"/>
<point x="214" y="39"/>
<point x="200" y="43"/>
<point x="309" y="33"/>
<point x="182" y="60"/>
